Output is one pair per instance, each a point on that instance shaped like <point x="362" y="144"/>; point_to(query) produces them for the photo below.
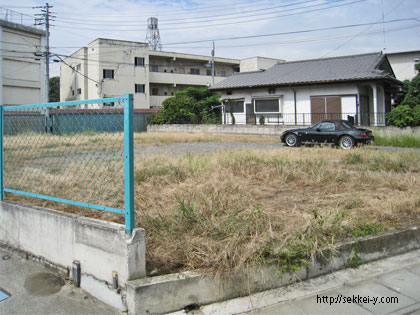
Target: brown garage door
<point x="317" y="109"/>
<point x="333" y="107"/>
<point x="325" y="107"/>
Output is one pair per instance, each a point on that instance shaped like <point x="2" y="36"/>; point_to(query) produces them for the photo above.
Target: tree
<point x="408" y="112"/>
<point x="176" y="110"/>
<point x="54" y="89"/>
<point x="189" y="106"/>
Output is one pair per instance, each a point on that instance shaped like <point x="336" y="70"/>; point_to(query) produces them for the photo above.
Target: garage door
<point x="325" y="107"/>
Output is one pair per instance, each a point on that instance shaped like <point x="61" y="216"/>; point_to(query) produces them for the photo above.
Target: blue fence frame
<point x="128" y="210"/>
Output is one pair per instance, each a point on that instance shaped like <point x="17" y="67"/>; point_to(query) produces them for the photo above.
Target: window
<point x="229" y="93"/>
<point x="195" y="71"/>
<point x="234" y="107"/>
<point x="155" y="91"/>
<point x="79" y="67"/>
<point x="327" y="126"/>
<point x="112" y="104"/>
<point x="108" y="74"/>
<point x="155" y="68"/>
<point x="139" y="88"/>
<point x="208" y="72"/>
<point x="223" y="73"/>
<point x="267" y="106"/>
<point x="79" y="91"/>
<point x="139" y="61"/>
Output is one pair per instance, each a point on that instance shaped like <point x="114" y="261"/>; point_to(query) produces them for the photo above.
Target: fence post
<point x="1" y="154"/>
<point x="128" y="164"/>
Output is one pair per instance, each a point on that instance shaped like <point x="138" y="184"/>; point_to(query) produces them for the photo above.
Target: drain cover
<point x="3" y="295"/>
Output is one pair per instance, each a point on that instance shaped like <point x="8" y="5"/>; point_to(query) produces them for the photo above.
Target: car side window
<point x="328" y="126"/>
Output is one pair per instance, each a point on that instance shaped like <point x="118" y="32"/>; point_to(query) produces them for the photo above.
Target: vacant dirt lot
<point x="216" y="204"/>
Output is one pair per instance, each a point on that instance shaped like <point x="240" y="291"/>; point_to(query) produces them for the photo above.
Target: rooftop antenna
<point x="153" y="36"/>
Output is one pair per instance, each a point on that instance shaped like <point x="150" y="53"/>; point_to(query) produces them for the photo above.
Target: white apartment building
<point x="108" y="68"/>
<point x="22" y="74"/>
<point x="404" y="64"/>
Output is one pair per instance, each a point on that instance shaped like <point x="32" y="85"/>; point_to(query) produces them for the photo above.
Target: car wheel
<point x="346" y="142"/>
<point x="291" y="140"/>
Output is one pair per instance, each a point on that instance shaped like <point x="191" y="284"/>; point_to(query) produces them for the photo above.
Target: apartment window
<point x="79" y="67"/>
<point x="139" y="88"/>
<point x="108" y="74"/>
<point x="155" y="68"/>
<point x="234" y="107"/>
<point x="79" y="91"/>
<point x="139" y="61"/>
<point x="208" y="72"/>
<point x="195" y="71"/>
<point x="267" y="105"/>
<point x="155" y="91"/>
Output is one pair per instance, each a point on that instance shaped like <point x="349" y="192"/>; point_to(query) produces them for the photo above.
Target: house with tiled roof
<point x="356" y="87"/>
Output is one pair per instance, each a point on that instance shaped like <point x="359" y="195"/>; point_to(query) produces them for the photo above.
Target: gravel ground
<point x="181" y="148"/>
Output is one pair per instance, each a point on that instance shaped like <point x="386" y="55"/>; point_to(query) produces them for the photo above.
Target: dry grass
<point x="226" y="210"/>
<point x="165" y="138"/>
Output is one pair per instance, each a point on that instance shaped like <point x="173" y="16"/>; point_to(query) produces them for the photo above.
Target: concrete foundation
<point x="60" y="238"/>
<point x="268" y="131"/>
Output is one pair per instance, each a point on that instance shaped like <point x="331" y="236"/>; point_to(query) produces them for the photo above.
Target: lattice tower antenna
<point x="153" y="36"/>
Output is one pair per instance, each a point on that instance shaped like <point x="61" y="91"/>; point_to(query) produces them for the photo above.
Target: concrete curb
<point x="175" y="292"/>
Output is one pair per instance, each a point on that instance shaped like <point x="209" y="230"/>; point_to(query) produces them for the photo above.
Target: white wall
<point x="303" y="99"/>
<point x="403" y="64"/>
<point x="22" y="80"/>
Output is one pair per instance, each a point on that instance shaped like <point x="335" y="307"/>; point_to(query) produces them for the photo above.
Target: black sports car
<point x="336" y="132"/>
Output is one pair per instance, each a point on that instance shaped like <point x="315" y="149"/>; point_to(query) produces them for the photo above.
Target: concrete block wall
<point x="60" y="238"/>
<point x="267" y="131"/>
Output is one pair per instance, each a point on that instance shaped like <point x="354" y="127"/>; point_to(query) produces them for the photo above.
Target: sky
<point x="282" y="29"/>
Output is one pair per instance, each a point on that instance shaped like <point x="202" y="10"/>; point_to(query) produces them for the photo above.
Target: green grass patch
<point x="398" y="141"/>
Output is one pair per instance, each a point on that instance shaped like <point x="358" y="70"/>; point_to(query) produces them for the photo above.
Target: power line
<point x="82" y="74"/>
<point x="220" y="24"/>
<point x="172" y="12"/>
<point x="293" y="32"/>
<point x="360" y="34"/>
<point x="217" y="17"/>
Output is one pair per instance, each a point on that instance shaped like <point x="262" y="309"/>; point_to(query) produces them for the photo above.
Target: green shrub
<point x="404" y="115"/>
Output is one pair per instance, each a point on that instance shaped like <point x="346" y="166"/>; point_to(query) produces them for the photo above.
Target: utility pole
<point x="212" y="64"/>
<point x="44" y="19"/>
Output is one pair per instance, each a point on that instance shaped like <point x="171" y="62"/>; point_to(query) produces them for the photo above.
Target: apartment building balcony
<point x="181" y="78"/>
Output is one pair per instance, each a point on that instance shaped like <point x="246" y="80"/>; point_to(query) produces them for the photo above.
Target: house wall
<point x="352" y="95"/>
<point x="404" y="63"/>
<point x="303" y="100"/>
<point x="22" y="77"/>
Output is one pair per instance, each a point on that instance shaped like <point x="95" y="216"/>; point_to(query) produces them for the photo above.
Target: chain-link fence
<point x="78" y="153"/>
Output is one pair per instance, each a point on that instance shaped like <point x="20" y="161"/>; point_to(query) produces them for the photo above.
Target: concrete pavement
<point x="37" y="289"/>
<point x="388" y="286"/>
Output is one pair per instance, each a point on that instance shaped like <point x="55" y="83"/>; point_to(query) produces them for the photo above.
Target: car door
<point x="326" y="132"/>
<point x="310" y="134"/>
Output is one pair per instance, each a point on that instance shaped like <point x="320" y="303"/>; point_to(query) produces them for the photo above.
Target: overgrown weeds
<point x="225" y="210"/>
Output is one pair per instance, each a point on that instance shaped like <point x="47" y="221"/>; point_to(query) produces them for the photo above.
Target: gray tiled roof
<point x="347" y="68"/>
